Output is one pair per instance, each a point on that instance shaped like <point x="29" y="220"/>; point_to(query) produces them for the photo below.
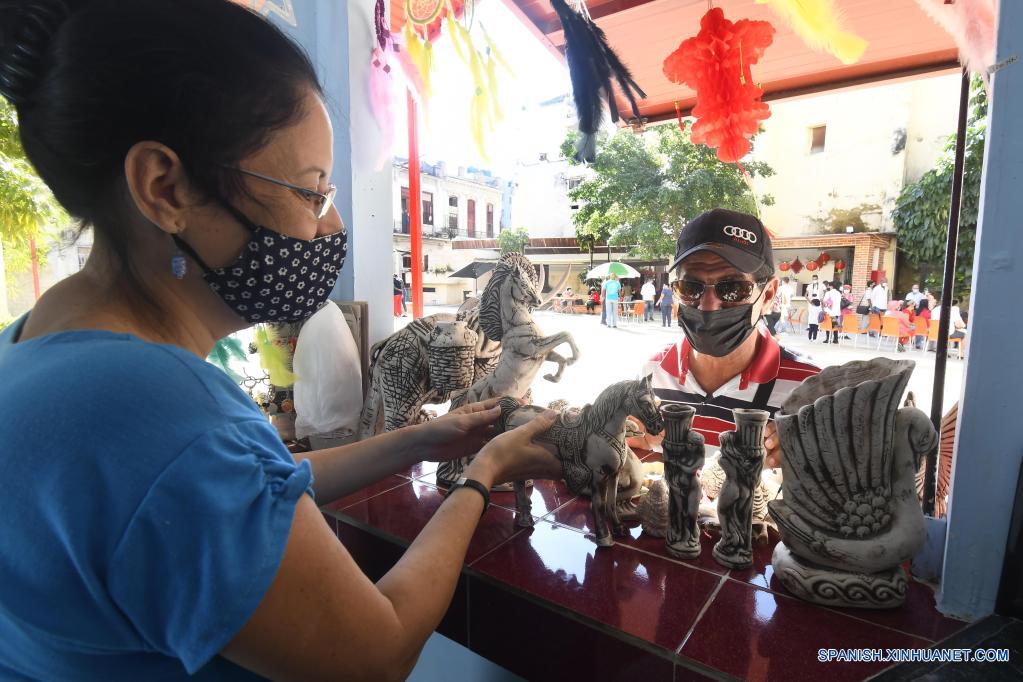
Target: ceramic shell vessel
<point x="850" y="514"/>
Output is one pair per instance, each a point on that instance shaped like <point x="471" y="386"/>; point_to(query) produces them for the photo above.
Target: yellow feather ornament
<point x="819" y="24"/>
<point x="420" y="52"/>
<point x="273" y="357"/>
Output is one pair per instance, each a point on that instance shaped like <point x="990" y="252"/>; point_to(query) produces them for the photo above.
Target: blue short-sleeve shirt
<point x="146" y="506"/>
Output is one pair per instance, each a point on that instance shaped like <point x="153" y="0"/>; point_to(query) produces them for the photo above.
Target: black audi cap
<point x="739" y="238"/>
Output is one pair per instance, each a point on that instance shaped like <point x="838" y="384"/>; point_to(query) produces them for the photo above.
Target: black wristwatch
<point x="464" y="482"/>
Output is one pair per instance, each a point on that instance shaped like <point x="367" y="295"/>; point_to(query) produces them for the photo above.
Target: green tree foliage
<point x="648" y="186"/>
<point x="27" y="207"/>
<point x="921" y="211"/>
<point x="513" y="241"/>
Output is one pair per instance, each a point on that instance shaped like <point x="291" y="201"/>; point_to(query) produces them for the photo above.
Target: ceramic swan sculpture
<point x="850" y="457"/>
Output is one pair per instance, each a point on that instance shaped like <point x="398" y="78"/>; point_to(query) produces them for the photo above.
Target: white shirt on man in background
<point x="832" y="303"/>
<point x="879" y="297"/>
<point x="648" y="291"/>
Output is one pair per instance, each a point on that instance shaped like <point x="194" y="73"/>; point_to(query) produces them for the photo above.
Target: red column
<point x="415" y="209"/>
<point x="35" y="268"/>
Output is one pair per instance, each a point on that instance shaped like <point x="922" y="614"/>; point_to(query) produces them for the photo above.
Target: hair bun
<point x="27" y="29"/>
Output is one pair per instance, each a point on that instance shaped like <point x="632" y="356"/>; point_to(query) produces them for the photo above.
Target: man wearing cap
<point x="724" y="278"/>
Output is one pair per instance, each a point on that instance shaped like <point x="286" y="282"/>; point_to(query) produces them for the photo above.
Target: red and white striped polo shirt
<point x="764" y="384"/>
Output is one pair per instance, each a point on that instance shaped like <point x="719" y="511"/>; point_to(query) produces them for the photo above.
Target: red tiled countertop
<point x="545" y="603"/>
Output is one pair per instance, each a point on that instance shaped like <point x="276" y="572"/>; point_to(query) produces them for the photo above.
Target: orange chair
<point x="873" y="327"/>
<point x="932" y="335"/>
<point x="921" y="327"/>
<point x="851" y="325"/>
<point x="889" y="329"/>
<point x="826" y="325"/>
<point x="638" y="309"/>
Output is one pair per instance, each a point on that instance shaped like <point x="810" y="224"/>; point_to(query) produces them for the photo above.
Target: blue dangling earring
<point x="178" y="264"/>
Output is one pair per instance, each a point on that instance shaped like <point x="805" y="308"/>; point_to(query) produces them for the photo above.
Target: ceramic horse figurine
<point x="590" y="445"/>
<point x="505" y="313"/>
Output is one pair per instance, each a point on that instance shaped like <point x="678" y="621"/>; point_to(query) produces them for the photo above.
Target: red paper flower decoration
<point x="839" y="264"/>
<point x="796" y="265"/>
<point x="824" y="258"/>
<point x="812" y="265"/>
<point x="784" y="266"/>
<point x="716" y="64"/>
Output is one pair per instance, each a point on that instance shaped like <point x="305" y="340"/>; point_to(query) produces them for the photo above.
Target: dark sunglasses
<point x="729" y="291"/>
<point x="321" y="201"/>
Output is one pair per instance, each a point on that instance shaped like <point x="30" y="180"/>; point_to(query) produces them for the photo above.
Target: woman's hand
<point x="516" y="456"/>
<point x="459" y="433"/>
<point x="773" y="445"/>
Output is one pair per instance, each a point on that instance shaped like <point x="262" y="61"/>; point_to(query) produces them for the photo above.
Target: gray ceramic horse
<point x="590" y="445"/>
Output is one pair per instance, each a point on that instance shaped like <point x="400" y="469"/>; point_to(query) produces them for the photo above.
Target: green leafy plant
<point x="922" y="209"/>
<point x="646" y="187"/>
<point x="28" y="210"/>
<point x="837" y="220"/>
<point x="513" y="240"/>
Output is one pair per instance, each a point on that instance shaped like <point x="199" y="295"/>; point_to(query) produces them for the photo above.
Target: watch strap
<point x="464" y="482"/>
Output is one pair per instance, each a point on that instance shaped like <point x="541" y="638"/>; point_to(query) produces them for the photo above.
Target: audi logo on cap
<point x="741" y="233"/>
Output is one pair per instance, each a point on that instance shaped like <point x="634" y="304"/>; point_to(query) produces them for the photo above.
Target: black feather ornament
<point x="591" y="65"/>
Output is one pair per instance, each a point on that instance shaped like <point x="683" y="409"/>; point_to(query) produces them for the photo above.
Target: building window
<point x="817" y="135"/>
<point x="490" y="220"/>
<point x="543" y="156"/>
<point x="406" y="261"/>
<point x="573" y="183"/>
<point x="427" y="208"/>
<point x="426" y="262"/>
<point x="470" y="206"/>
<point x="404" y="210"/>
<point x="452" y="213"/>
<point x="453" y="201"/>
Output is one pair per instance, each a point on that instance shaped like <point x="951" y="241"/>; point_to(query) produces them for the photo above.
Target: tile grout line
<point x="674" y="560"/>
<point x="331" y="511"/>
<point x="830" y="609"/>
<point x="699" y="616"/>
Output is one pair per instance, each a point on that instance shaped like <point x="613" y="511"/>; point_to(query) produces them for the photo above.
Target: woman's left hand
<point x="459" y="433"/>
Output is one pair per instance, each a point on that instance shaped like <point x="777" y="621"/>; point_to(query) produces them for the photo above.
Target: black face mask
<point x="718" y="332"/>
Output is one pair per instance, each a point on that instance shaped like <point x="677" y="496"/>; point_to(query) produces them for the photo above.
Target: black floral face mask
<point x="276" y="278"/>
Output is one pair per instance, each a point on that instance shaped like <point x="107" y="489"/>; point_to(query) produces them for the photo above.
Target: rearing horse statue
<point x="505" y="314"/>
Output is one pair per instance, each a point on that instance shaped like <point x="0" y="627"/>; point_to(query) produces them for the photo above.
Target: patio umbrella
<point x="475" y="270"/>
<point x="604" y="270"/>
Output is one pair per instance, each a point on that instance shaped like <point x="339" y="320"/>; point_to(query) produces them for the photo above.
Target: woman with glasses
<point x="155" y="527"/>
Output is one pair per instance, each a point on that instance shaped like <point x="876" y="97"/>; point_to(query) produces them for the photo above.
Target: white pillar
<point x="989" y="442"/>
<point x="338" y="38"/>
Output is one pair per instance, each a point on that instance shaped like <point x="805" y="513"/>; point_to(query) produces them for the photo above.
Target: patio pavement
<point x="610" y="355"/>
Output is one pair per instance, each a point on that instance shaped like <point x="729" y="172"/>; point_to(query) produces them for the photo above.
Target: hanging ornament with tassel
<point x="381" y="84"/>
<point x="592" y="65"/>
<point x="716" y="64"/>
<point x="818" y="23"/>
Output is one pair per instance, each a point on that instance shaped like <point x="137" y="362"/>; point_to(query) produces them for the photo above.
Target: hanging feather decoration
<point x="484" y="109"/>
<point x="591" y="65"/>
<point x="420" y="53"/>
<point x="410" y="72"/>
<point x="971" y="23"/>
<point x="381" y="85"/>
<point x="225" y="351"/>
<point x="818" y="23"/>
<point x="273" y="357"/>
<point x="716" y="64"/>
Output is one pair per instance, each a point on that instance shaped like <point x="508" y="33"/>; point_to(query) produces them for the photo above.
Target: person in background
<point x="914" y="296"/>
<point x="832" y="304"/>
<point x="569" y="301"/>
<point x="399" y="294"/>
<point x="665" y="302"/>
<point x="905" y="324"/>
<point x="649" y="292"/>
<point x="726" y="358"/>
<point x="930" y="298"/>
<point x="814" y="315"/>
<point x="863" y="309"/>
<point x="772" y="318"/>
<point x="785" y="293"/>
<point x="814" y="289"/>
<point x="593" y="301"/>
<point x="847" y="306"/>
<point x="603" y="301"/>
<point x="924" y="313"/>
<point x="612" y="291"/>
<point x="879" y="299"/>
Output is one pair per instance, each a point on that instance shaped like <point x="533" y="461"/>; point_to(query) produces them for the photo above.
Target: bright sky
<point x="445" y="133"/>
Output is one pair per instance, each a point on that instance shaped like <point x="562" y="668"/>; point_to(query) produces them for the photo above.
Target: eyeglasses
<point x="322" y="201"/>
<point x="729" y="291"/>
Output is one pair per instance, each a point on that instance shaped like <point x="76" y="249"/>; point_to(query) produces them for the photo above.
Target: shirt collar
<point x="761" y="370"/>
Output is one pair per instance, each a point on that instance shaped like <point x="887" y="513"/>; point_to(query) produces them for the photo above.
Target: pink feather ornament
<point x="971" y="23"/>
<point x="381" y="85"/>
